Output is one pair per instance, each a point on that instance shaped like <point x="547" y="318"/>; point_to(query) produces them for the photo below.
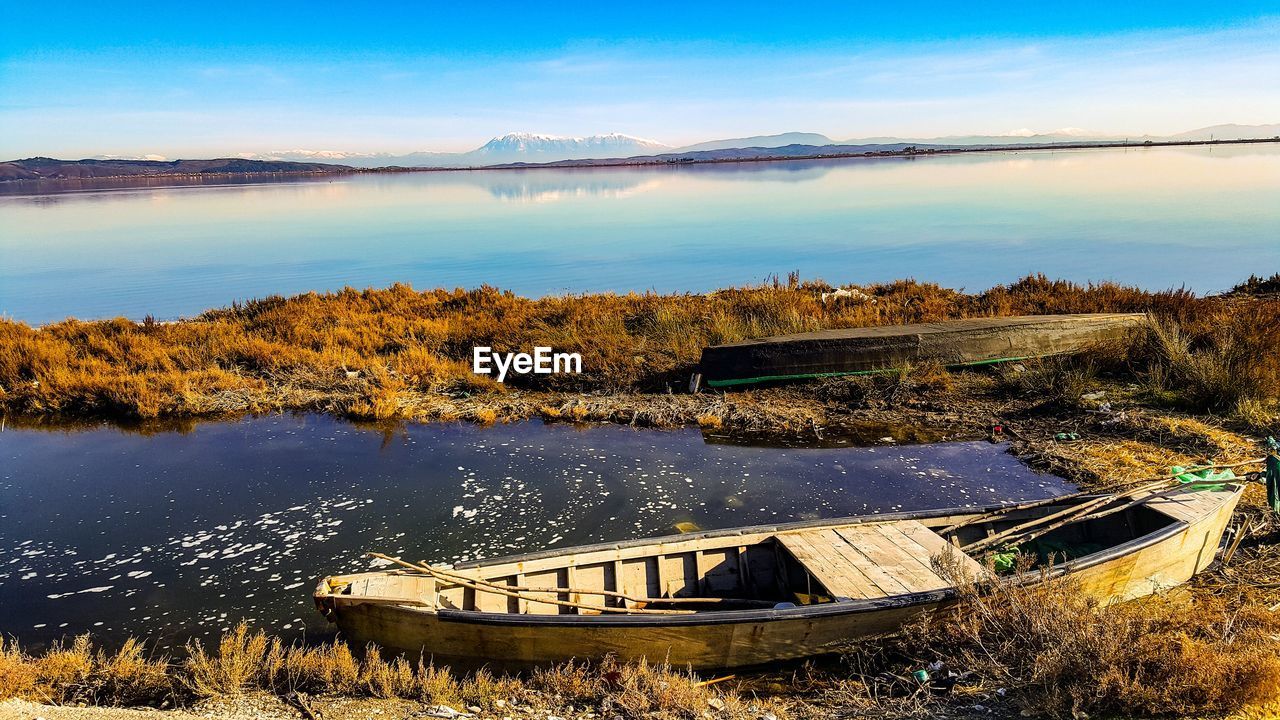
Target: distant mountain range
<point x="612" y="149"/>
<point x="1231" y="132"/>
<point x="762" y="141"/>
<point x="502" y="150"/>
<point x="533" y="148"/>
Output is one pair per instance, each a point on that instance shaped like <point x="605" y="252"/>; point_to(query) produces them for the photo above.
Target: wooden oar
<point x="1071" y="496"/>
<point x="485" y="586"/>
<point x="1080" y="511"/>
<point x="1164" y="492"/>
<point x="1005" y="509"/>
<point x="610" y="593"/>
<point x="1082" y="517"/>
<point x="606" y="593"/>
<point x="1072" y="513"/>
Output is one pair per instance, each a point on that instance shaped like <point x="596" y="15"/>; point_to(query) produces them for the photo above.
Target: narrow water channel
<point x="172" y="535"/>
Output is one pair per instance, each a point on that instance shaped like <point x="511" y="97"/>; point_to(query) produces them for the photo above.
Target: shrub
<point x="1057" y="652"/>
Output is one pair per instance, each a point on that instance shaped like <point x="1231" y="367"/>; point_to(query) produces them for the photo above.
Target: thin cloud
<point x="1147" y="82"/>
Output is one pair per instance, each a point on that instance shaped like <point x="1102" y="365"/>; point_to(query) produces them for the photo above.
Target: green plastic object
<point x="1203" y="479"/>
<point x="1005" y="561"/>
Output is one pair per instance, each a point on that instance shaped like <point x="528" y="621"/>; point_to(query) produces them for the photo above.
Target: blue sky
<point x="80" y="79"/>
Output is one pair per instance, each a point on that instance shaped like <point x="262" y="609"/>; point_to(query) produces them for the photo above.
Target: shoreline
<point x="665" y="160"/>
<point x="403" y="354"/>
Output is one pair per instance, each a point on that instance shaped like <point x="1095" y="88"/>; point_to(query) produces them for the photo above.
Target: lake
<point x="170" y="535"/>
<point x="1203" y="217"/>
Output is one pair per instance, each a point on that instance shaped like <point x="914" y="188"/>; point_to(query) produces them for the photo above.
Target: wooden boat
<point x="875" y="349"/>
<point x="754" y="595"/>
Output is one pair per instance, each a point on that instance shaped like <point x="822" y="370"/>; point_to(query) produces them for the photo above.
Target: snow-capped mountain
<point x="531" y="147"/>
<point x="334" y="156"/>
<point x="509" y="148"/>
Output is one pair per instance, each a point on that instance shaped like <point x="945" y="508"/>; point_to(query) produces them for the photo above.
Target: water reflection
<point x="1159" y="218"/>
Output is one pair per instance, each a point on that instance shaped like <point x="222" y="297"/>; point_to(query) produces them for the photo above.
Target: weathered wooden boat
<point x="748" y="596"/>
<point x="827" y="353"/>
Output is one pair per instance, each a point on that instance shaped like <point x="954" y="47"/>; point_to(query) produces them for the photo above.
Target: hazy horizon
<point x="81" y="80"/>
<point x="337" y="156"/>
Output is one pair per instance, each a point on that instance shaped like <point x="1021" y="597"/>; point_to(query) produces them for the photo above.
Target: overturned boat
<point x="754" y="595"/>
<point x="973" y="341"/>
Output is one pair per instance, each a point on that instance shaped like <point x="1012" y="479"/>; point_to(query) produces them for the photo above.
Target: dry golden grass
<point x="1056" y="652"/>
<point x="77" y="673"/>
<point x="1256" y="285"/>
<point x="378" y="353"/>
<point x="1053" y="651"/>
<point x="235" y="667"/>
<point x="710" y="422"/>
<point x="246" y="662"/>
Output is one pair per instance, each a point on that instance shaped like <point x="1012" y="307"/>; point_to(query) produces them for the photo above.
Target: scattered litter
<point x="850" y="294"/>
<point x="444" y="711"/>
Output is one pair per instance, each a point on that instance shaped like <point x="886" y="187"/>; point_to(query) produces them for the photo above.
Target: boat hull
<point x="1140" y="567"/>
<point x="464" y="639"/>
<point x="874" y="349"/>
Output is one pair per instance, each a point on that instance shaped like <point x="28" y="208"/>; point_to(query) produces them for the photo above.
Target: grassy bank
<point x="401" y="353"/>
<point x="1209" y="649"/>
<point x="1016" y="652"/>
<point x="1201" y="382"/>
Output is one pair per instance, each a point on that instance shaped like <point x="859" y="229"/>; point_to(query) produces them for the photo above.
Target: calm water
<point x="179" y="534"/>
<point x="1162" y="217"/>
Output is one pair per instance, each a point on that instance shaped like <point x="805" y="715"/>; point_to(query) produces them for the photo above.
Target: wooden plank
<point x="824" y="543"/>
<point x="522" y="605"/>
<point x="721" y="571"/>
<point x="922" y="557"/>
<point x="899" y="557"/>
<point x="744" y="573"/>
<point x="619" y="583"/>
<point x="1175" y="508"/>
<point x="702" y="567"/>
<point x="851" y="540"/>
<point x="934" y="545"/>
<point x="1208" y="502"/>
<point x="493" y="602"/>
<point x="544" y="578"/>
<point x="800" y="550"/>
<point x="884" y="554"/>
<point x="835" y="579"/>
<point x="589" y="577"/>
<point x="640" y="577"/>
<point x="677" y="574"/>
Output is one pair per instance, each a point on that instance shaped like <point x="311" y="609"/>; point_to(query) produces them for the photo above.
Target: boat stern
<point x="323" y="596"/>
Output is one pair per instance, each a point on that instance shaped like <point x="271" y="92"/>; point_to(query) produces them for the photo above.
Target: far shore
<point x="711" y="157"/>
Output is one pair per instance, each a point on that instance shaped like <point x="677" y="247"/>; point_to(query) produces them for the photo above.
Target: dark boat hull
<point x="877" y="349"/>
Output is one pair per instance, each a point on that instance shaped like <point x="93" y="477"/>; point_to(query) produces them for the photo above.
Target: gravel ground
<point x="249" y="707"/>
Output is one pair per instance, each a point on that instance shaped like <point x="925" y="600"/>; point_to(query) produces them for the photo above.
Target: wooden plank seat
<point x="1191" y="503"/>
<point x="875" y="560"/>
